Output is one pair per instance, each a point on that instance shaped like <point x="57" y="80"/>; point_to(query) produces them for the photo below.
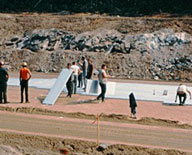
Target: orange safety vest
<point x="24" y="73"/>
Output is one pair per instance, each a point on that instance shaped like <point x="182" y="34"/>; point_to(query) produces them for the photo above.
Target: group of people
<point x="82" y="70"/>
<point x="24" y="76"/>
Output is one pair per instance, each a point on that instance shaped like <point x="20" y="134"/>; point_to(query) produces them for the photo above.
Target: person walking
<point x="76" y="70"/>
<point x="84" y="69"/>
<point x="24" y="77"/>
<point x="89" y="69"/>
<point x="69" y="83"/>
<point x="102" y="76"/>
<point x="4" y="76"/>
<point x="182" y="91"/>
<point x="132" y="105"/>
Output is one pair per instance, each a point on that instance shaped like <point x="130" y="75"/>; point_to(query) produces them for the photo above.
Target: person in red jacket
<point x="25" y="75"/>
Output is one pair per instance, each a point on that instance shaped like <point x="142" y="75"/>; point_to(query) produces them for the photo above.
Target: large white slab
<point x="35" y="83"/>
<point x="57" y="87"/>
<point x="148" y="92"/>
<point x="92" y="87"/>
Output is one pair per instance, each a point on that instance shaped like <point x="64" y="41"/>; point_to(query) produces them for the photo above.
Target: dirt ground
<point x="34" y="128"/>
<point x="29" y="128"/>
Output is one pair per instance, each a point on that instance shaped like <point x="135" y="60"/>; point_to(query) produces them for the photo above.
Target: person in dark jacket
<point x="89" y="69"/>
<point x="69" y="83"/>
<point x="132" y="105"/>
<point x="4" y="76"/>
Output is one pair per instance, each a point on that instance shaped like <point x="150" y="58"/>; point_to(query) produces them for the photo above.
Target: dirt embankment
<point x="17" y="24"/>
<point x="103" y="117"/>
<point x="12" y="143"/>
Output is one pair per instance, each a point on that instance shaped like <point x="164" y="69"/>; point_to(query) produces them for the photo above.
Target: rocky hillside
<point x="112" y="7"/>
<point x="136" y="48"/>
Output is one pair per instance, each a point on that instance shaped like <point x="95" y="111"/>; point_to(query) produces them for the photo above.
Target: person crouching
<point x="182" y="91"/>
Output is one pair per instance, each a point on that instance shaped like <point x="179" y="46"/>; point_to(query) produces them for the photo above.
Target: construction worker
<point x="4" y="76"/>
<point x="89" y="69"/>
<point x="102" y="76"/>
<point x="69" y="83"/>
<point x="182" y="91"/>
<point x="76" y="70"/>
<point x="24" y="77"/>
<point x="84" y="69"/>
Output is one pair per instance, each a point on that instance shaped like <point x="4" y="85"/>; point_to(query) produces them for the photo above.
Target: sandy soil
<point x="31" y="122"/>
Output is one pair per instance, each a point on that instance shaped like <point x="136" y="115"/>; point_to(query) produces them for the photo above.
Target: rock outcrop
<point x="100" y="40"/>
<point x="162" y="54"/>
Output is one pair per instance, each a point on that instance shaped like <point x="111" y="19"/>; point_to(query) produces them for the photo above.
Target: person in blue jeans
<point x="84" y="69"/>
<point x="102" y="76"/>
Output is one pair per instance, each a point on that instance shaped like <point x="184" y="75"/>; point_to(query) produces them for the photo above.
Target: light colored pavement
<point x="111" y="132"/>
<point x="143" y="91"/>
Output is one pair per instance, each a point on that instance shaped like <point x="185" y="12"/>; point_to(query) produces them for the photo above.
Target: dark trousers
<point x="182" y="98"/>
<point x="85" y="79"/>
<point x="3" y="92"/>
<point x="103" y="91"/>
<point x="24" y="87"/>
<point x="80" y="79"/>
<point x="75" y="84"/>
<point x="69" y="88"/>
<point x="133" y="110"/>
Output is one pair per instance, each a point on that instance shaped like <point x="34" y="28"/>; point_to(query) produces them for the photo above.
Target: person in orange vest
<point x="25" y="75"/>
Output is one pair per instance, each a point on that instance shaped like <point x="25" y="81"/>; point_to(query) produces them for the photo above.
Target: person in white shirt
<point x="182" y="91"/>
<point x="76" y="70"/>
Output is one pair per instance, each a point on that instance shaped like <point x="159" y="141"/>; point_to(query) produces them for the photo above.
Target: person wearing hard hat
<point x="25" y="75"/>
<point x="4" y="76"/>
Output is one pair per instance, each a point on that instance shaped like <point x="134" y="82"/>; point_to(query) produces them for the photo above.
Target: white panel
<point x="111" y="87"/>
<point x="148" y="92"/>
<point x="92" y="87"/>
<point x="57" y="87"/>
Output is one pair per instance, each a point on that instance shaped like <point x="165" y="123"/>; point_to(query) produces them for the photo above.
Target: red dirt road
<point x="111" y="106"/>
<point x="111" y="132"/>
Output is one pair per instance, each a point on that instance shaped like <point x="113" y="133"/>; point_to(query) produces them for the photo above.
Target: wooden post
<point x="98" y="130"/>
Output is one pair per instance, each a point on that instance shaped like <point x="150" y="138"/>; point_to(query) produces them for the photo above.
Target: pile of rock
<point x="100" y="40"/>
<point x="161" y="55"/>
